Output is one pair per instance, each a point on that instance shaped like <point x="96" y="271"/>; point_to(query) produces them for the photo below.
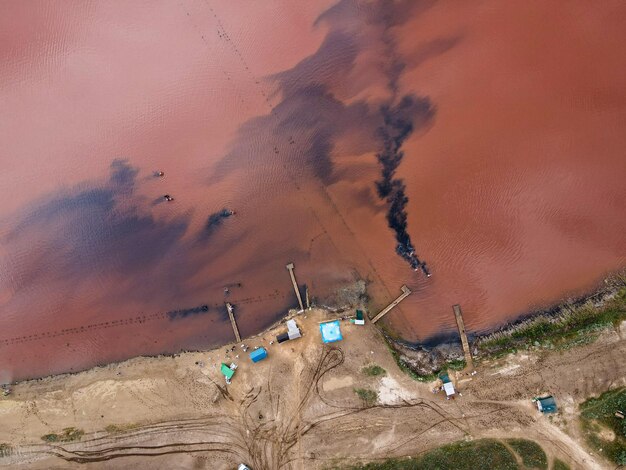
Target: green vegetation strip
<point x="485" y="453"/>
<point x="560" y="465"/>
<point x="531" y="453"/>
<point x="68" y="435"/>
<point x="602" y="428"/>
<point x="572" y="326"/>
<point x="120" y="428"/>
<point x="373" y="370"/>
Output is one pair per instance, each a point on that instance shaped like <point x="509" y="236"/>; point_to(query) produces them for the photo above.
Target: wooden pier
<point x="231" y="315"/>
<point x="405" y="293"/>
<point x="290" y="267"/>
<point x="461" y="325"/>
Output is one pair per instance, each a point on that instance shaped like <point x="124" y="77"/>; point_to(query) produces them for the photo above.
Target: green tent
<point x="227" y="371"/>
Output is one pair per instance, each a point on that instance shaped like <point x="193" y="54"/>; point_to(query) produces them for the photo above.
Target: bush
<point x="68" y="435"/>
<point x="5" y="450"/>
<point x="373" y="370"/>
<point x="369" y="397"/>
<point x="120" y="428"/>
<point x="560" y="465"/>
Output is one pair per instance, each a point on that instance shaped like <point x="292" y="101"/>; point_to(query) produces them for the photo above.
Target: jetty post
<point x="405" y="293"/>
<point x="461" y="325"/>
<point x="291" y="267"/>
<point x="231" y="315"/>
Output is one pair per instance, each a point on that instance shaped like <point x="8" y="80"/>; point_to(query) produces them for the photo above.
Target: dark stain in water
<point x="332" y="160"/>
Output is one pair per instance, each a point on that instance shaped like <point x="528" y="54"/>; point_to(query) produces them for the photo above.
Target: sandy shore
<point x="297" y="409"/>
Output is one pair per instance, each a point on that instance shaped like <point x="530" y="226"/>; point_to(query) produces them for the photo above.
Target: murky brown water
<point x="513" y="171"/>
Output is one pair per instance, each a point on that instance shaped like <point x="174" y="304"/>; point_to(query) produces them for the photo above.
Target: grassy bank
<point x="568" y="326"/>
<point x="603" y="431"/>
<point x="571" y="324"/>
<point x="483" y="453"/>
<point x="531" y="453"/>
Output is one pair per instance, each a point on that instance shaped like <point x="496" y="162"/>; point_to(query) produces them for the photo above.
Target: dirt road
<point x="297" y="409"/>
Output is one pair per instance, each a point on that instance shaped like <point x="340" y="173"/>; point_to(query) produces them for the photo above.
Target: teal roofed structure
<point x="227" y="371"/>
<point x="547" y="404"/>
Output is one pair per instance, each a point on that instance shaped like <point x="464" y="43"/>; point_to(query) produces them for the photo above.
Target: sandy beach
<point x="297" y="409"/>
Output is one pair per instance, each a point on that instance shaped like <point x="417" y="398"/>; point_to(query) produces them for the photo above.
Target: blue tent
<point x="330" y="331"/>
<point x="258" y="355"/>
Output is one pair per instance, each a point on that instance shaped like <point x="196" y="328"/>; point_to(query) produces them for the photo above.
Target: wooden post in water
<point x="461" y="325"/>
<point x="405" y="293"/>
<point x="290" y="267"/>
<point x="231" y="315"/>
<point x="308" y="300"/>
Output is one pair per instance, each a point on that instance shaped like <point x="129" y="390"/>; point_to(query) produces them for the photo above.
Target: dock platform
<point x="231" y="315"/>
<point x="405" y="293"/>
<point x="290" y="267"/>
<point x="461" y="325"/>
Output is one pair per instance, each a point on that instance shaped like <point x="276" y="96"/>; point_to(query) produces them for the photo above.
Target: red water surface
<point x="514" y="171"/>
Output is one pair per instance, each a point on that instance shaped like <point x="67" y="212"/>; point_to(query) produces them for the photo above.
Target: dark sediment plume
<point x="187" y="312"/>
<point x="398" y="126"/>
<point x="215" y="220"/>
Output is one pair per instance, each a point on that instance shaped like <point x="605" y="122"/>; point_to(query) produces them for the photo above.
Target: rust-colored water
<point x="514" y="171"/>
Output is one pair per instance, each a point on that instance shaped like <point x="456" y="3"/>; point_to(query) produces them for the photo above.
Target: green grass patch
<point x="598" y="422"/>
<point x="560" y="465"/>
<point x="531" y="453"/>
<point x="369" y="397"/>
<point x="67" y="435"/>
<point x="120" y="428"/>
<point x="456" y="364"/>
<point x="574" y="326"/>
<point x="373" y="370"/>
<point x="5" y="449"/>
<point x="484" y="453"/>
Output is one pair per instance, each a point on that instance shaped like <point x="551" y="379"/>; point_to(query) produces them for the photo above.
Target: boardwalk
<point x="405" y="293"/>
<point x="464" y="341"/>
<point x="231" y="315"/>
<point x="290" y="267"/>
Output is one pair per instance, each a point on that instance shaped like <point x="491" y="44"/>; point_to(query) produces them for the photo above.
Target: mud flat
<point x="308" y="405"/>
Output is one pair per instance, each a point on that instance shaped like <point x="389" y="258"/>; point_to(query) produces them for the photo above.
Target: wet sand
<point x="513" y="170"/>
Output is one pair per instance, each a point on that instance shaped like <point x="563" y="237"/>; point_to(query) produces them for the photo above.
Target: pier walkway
<point x="461" y="325"/>
<point x="231" y="315"/>
<point x="290" y="267"/>
<point x="405" y="293"/>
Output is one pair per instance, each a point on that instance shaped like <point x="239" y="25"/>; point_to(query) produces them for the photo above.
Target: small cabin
<point x="258" y="354"/>
<point x="227" y="371"/>
<point x="292" y="330"/>
<point x="448" y="386"/>
<point x="547" y="404"/>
